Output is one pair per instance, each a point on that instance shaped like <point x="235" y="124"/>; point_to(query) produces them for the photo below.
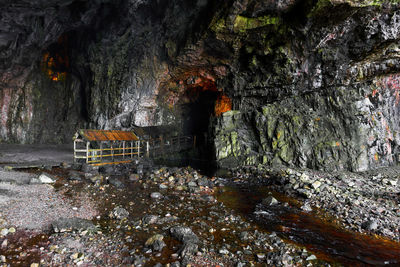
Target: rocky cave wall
<point x="311" y="83"/>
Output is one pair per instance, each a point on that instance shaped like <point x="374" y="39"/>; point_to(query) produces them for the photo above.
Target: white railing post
<point x="87" y="152"/>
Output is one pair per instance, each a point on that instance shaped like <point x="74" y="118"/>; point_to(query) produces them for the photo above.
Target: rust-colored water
<point x="325" y="239"/>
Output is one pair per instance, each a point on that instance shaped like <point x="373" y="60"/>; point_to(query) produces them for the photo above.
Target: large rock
<point x="72" y="225"/>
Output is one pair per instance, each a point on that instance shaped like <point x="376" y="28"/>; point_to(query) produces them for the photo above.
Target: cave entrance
<point x="206" y="101"/>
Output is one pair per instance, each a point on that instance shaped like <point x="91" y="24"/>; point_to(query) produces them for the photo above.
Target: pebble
<point x="316" y="184"/>
<point x="260" y="256"/>
<point x="156" y="195"/>
<point x="311" y="257"/>
<point x="4" y="232"/>
<point x="223" y="251"/>
<point x="163" y="186"/>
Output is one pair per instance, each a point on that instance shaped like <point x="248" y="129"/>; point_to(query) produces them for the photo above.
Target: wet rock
<point x="370" y="225"/>
<point x="163" y="186"/>
<point x="187" y="237"/>
<point x="71" y="225"/>
<point x="139" y="260"/>
<point x="269" y="201"/>
<point x="260" y="256"/>
<point x="4" y="232"/>
<point x="156" y="242"/>
<point x="316" y="184"/>
<point x="184" y="234"/>
<point x="46" y="178"/>
<point x="116" y="182"/>
<point x="306" y="206"/>
<point x="88" y="168"/>
<point x="188" y="249"/>
<point x="223" y="251"/>
<point x="119" y="213"/>
<point x="311" y="258"/>
<point x="96" y="179"/>
<point x="134" y="177"/>
<point x="150" y="219"/>
<point x="192" y="184"/>
<point x="244" y="236"/>
<point x="74" y="176"/>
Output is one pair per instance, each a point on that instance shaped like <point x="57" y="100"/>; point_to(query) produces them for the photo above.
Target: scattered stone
<point x="156" y="195"/>
<point x="306" y="206"/>
<point x="74" y="176"/>
<point x="269" y="201"/>
<point x="163" y="186"/>
<point x="119" y="213"/>
<point x="150" y="219"/>
<point x="184" y="234"/>
<point x="134" y="177"/>
<point x="156" y="242"/>
<point x="316" y="184"/>
<point x="4" y="232"/>
<point x="223" y="251"/>
<point x="46" y="178"/>
<point x="116" y="182"/>
<point x="311" y="258"/>
<point x="370" y="225"/>
<point x="4" y="244"/>
<point x="72" y="224"/>
<point x="260" y="256"/>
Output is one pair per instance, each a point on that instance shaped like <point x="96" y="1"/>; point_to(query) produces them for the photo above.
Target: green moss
<point x="219" y="26"/>
<point x="321" y="4"/>
<point x="243" y="24"/>
<point x="171" y="48"/>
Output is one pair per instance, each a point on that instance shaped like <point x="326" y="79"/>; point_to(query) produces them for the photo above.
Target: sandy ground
<point x="35" y="154"/>
<point x="35" y="206"/>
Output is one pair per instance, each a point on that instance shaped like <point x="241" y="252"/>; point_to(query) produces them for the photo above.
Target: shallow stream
<point x="325" y="239"/>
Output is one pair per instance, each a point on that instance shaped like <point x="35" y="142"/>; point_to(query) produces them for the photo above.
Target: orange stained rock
<point x="223" y="104"/>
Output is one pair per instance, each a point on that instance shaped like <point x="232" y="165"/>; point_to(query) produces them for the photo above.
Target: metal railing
<point x="116" y="152"/>
<point x="162" y="146"/>
<point x="112" y="152"/>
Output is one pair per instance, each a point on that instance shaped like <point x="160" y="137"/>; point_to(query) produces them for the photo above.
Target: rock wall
<point x="312" y="83"/>
<point x="317" y="89"/>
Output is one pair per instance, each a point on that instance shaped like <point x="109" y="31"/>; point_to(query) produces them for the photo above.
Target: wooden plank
<point x="109" y="163"/>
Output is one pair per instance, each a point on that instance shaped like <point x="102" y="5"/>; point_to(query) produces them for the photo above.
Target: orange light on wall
<point x="49" y="67"/>
<point x="223" y="104"/>
<point x="55" y="61"/>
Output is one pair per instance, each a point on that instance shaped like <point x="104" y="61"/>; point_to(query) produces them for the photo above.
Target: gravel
<point x="36" y="206"/>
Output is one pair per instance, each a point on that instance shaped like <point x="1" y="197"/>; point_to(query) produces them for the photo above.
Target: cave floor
<point x="136" y="215"/>
<point x="20" y="155"/>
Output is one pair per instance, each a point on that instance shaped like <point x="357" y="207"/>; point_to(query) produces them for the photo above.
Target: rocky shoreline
<point x="148" y="216"/>
<point x="365" y="202"/>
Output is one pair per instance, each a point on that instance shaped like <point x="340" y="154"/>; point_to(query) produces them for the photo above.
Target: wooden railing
<point x="162" y="146"/>
<point x="113" y="152"/>
<point x="109" y="152"/>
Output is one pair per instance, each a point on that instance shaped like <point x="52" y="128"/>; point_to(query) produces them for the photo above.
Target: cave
<point x="256" y="122"/>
